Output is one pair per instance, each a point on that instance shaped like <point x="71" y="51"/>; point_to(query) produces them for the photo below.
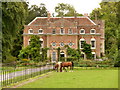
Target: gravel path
<point x="23" y="72"/>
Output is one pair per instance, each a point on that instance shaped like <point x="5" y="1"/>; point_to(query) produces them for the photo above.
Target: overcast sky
<point x="81" y="6"/>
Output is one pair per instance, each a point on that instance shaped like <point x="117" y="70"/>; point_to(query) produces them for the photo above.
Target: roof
<point x="58" y="21"/>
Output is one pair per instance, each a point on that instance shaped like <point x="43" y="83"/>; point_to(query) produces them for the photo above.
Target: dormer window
<point x="40" y="31"/>
<point x="82" y="31"/>
<point x="30" y="31"/>
<point x="70" y="31"/>
<point x="61" y="31"/>
<point x="92" y="31"/>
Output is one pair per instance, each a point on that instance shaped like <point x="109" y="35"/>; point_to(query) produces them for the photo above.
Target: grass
<point x="78" y="79"/>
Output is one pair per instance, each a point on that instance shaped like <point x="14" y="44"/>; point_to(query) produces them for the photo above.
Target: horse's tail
<point x="72" y="64"/>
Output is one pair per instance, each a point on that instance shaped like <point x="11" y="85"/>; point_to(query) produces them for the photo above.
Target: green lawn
<point x="78" y="79"/>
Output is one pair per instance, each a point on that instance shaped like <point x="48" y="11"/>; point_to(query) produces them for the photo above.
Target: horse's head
<point x="55" y="67"/>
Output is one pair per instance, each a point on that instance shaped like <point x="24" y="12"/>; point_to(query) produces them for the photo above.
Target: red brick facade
<point x="60" y="31"/>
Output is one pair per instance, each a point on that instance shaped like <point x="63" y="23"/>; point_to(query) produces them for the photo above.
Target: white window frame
<point x="61" y="44"/>
<point x="94" y="54"/>
<point x="30" y="32"/>
<point x="81" y="30"/>
<point x="69" y="31"/>
<point x="39" y="32"/>
<point x="42" y="45"/>
<point x="54" y="43"/>
<point x="94" y="43"/>
<point x="82" y="39"/>
<point x="69" y="44"/>
<point x="91" y="31"/>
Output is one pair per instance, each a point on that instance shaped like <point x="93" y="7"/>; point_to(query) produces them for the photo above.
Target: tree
<point x="14" y="16"/>
<point x="108" y="12"/>
<point x="87" y="50"/>
<point x="32" y="51"/>
<point x="73" y="53"/>
<point x="66" y="10"/>
<point x="36" y="11"/>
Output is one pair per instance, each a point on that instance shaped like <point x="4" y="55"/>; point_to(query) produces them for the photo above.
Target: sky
<point x="81" y="6"/>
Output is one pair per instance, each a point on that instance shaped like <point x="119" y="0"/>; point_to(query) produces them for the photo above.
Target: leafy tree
<point x="87" y="50"/>
<point x="44" y="54"/>
<point x="74" y="53"/>
<point x="13" y="19"/>
<point x="32" y="51"/>
<point x="36" y="11"/>
<point x="66" y="10"/>
<point x="108" y="12"/>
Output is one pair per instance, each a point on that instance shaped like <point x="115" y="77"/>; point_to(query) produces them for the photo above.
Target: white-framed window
<point x="61" y="44"/>
<point x="40" y="31"/>
<point x="82" y="40"/>
<point x="70" y="44"/>
<point x="41" y="42"/>
<point x="82" y="31"/>
<point x="61" y="31"/>
<point x="93" y="55"/>
<point x="30" y="31"/>
<point x="53" y="43"/>
<point x="54" y="31"/>
<point x="93" y="43"/>
<point x="70" y="31"/>
<point x="29" y="42"/>
<point x="92" y="31"/>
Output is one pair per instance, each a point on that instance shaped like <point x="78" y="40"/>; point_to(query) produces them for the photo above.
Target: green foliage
<point x="36" y="11"/>
<point x="93" y="63"/>
<point x="110" y="12"/>
<point x="14" y="15"/>
<point x="66" y="10"/>
<point x="32" y="51"/>
<point x="87" y="50"/>
<point x="73" y="53"/>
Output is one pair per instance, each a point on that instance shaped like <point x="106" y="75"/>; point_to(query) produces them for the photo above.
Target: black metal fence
<point x="11" y="74"/>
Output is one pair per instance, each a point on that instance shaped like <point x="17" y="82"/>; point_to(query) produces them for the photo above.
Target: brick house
<point x="57" y="32"/>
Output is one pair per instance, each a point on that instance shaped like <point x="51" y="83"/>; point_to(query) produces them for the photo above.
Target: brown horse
<point x="57" y="66"/>
<point x="62" y="65"/>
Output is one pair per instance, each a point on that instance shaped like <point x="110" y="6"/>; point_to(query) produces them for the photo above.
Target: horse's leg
<point x="65" y="69"/>
<point x="60" y="69"/>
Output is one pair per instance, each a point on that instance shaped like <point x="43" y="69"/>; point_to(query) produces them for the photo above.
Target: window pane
<point x="70" y="31"/>
<point x="82" y="43"/>
<point x="61" y="30"/>
<point x="53" y="44"/>
<point x="40" y="31"/>
<point x="93" y="43"/>
<point x="70" y="44"/>
<point x="53" y="32"/>
<point x="61" y="44"/>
